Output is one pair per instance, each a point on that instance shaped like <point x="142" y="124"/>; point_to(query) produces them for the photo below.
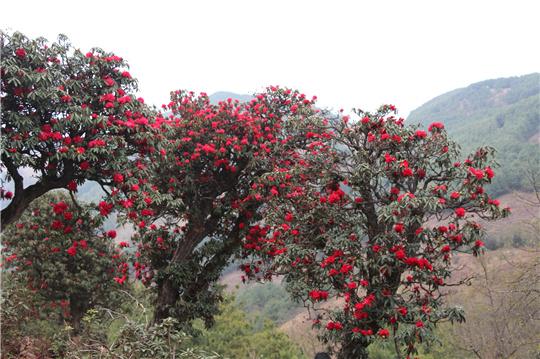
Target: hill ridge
<point x="503" y="113"/>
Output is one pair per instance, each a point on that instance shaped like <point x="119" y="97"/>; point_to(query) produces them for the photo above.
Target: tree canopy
<point x="197" y="192"/>
<point x="67" y="117"/>
<point x="58" y="251"/>
<point x="378" y="232"/>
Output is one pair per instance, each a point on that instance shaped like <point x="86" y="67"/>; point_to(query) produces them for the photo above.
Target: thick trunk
<point x="18" y="205"/>
<point x="353" y="348"/>
<point x="77" y="310"/>
<point x="167" y="297"/>
<point x="23" y="198"/>
<point x="168" y="292"/>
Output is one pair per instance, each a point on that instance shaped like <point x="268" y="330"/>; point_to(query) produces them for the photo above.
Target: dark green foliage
<point x="158" y="341"/>
<point x="502" y="113"/>
<point x="58" y="252"/>
<point x="20" y="316"/>
<point x="234" y="336"/>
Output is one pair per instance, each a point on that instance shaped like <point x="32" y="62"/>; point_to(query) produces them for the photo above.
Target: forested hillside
<point x="503" y="113"/>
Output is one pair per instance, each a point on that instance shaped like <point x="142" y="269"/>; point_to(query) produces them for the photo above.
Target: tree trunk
<point x="77" y="310"/>
<point x="168" y="292"/>
<point x="14" y="210"/>
<point x="166" y="298"/>
<point x="353" y="348"/>
<point x="24" y="196"/>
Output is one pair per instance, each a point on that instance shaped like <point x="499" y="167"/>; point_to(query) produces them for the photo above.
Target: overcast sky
<point x="348" y="53"/>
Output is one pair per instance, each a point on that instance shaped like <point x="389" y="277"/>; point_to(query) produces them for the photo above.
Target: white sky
<point x="348" y="53"/>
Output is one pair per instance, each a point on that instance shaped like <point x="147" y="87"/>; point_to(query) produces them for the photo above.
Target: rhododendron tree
<point x="59" y="252"/>
<point x="200" y="190"/>
<point x="377" y="233"/>
<point x="67" y="117"/>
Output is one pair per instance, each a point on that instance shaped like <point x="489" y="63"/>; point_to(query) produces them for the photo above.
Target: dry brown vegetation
<point x="502" y="305"/>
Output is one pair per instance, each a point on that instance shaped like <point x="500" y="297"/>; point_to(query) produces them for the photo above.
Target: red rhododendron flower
<point x="455" y="195"/>
<point x="72" y="251"/>
<point x="120" y="280"/>
<point x="108" y="81"/>
<point x="443" y="229"/>
<point x="318" y="295"/>
<point x="479" y="174"/>
<point x="72" y="186"/>
<point x="66" y="98"/>
<point x="60" y="207"/>
<point x="105" y="208"/>
<point x="399" y="228"/>
<point x="407" y="172"/>
<point x="21" y="53"/>
<point x="366" y="332"/>
<point x="437" y="125"/>
<point x="460" y="212"/>
<point x="400" y="254"/>
<point x="147" y="212"/>
<point x="85" y="165"/>
<point x="352" y="285"/>
<point x="389" y="158"/>
<point x="118" y="178"/>
<point x="334" y="326"/>
<point x="56" y="225"/>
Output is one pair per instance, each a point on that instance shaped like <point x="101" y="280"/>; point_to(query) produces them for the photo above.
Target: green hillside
<point x="502" y="113"/>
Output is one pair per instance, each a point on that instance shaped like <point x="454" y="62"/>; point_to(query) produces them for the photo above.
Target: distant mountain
<point x="224" y="95"/>
<point x="503" y="113"/>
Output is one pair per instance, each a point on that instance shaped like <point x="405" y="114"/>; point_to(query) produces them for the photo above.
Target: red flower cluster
<point x="318" y="295"/>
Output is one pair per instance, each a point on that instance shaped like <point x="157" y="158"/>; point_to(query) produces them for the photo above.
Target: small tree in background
<point x="198" y="193"/>
<point x="235" y="336"/>
<point x="377" y="235"/>
<point x="59" y="253"/>
<point x="67" y="117"/>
